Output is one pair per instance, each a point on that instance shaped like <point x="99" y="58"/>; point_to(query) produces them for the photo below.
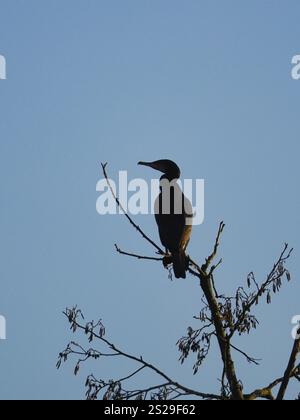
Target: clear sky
<point x="205" y="83"/>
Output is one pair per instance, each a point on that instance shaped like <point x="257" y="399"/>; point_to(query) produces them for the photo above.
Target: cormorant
<point x="173" y="214"/>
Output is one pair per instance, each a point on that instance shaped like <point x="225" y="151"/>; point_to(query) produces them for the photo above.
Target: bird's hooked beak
<point x="158" y="166"/>
<point x="167" y="167"/>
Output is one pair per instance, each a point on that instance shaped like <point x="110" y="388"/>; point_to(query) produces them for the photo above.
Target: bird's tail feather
<point x="179" y="264"/>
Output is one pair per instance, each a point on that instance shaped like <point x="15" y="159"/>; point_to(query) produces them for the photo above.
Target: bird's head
<point x="169" y="168"/>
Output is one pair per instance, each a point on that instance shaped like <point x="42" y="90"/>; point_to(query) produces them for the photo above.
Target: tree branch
<point x="249" y="358"/>
<point x="273" y="278"/>
<point x="139" y="257"/>
<point x="210" y="259"/>
<point x="207" y="286"/>
<point x="266" y="393"/>
<point x="160" y="251"/>
<point x="290" y="370"/>
<point x="89" y="330"/>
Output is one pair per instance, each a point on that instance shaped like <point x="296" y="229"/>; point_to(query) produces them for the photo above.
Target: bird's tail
<point x="179" y="264"/>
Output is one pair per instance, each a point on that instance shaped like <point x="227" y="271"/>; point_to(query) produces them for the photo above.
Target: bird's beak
<point x="149" y="164"/>
<point x="154" y="165"/>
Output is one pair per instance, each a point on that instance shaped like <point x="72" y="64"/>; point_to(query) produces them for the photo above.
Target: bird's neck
<point x="169" y="177"/>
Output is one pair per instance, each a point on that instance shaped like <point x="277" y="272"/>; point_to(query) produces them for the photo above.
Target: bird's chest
<point x="170" y="203"/>
<point x="170" y="218"/>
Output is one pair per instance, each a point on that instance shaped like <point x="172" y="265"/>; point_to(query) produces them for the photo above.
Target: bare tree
<point x="222" y="318"/>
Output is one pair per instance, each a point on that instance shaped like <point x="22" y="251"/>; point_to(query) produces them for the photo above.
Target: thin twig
<point x="132" y="374"/>
<point x="262" y="288"/>
<point x="160" y="251"/>
<point x="214" y="267"/>
<point x="249" y="359"/>
<point x="139" y="257"/>
<point x="210" y="259"/>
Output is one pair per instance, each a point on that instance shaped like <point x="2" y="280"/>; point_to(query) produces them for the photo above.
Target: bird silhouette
<point x="173" y="214"/>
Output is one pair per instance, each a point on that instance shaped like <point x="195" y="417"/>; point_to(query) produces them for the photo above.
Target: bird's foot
<point x="167" y="260"/>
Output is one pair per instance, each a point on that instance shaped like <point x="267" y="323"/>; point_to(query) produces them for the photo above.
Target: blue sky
<point x="205" y="83"/>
